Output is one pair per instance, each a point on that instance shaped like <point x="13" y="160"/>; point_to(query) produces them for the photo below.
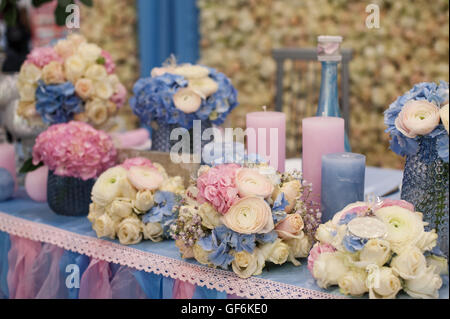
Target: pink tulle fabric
<point x="45" y="273"/>
<point x="183" y="290"/>
<point x="95" y="282"/>
<point x="21" y="258"/>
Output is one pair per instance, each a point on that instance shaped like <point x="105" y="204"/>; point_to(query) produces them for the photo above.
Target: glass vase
<point x="425" y="184"/>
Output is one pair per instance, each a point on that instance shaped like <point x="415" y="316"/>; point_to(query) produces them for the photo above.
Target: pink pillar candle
<point x="266" y="136"/>
<point x="321" y="135"/>
<point x="8" y="159"/>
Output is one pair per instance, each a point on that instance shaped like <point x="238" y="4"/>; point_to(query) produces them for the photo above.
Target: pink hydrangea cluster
<point x="43" y="56"/>
<point x="137" y="161"/>
<point x="75" y="149"/>
<point x="217" y="186"/>
<point x="110" y="66"/>
<point x="315" y="253"/>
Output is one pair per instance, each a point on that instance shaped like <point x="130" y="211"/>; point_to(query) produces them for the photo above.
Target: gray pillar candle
<point x="342" y="182"/>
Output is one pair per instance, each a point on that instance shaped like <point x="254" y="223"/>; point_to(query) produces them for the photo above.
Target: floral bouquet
<point x="75" y="154"/>
<point x="135" y="200"/>
<point x="244" y="216"/>
<point x="418" y="123"/>
<point x="377" y="248"/>
<point x="176" y="95"/>
<point x="74" y="80"/>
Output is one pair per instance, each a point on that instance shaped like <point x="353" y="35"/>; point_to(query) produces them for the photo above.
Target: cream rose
<point x="27" y="92"/>
<point x="29" y="73"/>
<point x="96" y="111"/>
<point x="439" y="263"/>
<point x="129" y="231"/>
<point x="186" y="252"/>
<point x="409" y="263"/>
<point x="95" y="211"/>
<point x="103" y="89"/>
<point x="376" y="251"/>
<point x="104" y="226"/>
<point x="249" y="215"/>
<point x="153" y="231"/>
<point x="64" y="48"/>
<point x="325" y="233"/>
<point x="120" y="208"/>
<point x="290" y="227"/>
<point x="328" y="268"/>
<point x="298" y="248"/>
<point x="191" y="71"/>
<point x="187" y="100"/>
<point x="89" y="52"/>
<point x="382" y="283"/>
<point x="143" y="202"/>
<point x="417" y="118"/>
<point x="173" y="184"/>
<point x="53" y="73"/>
<point x="251" y="183"/>
<point x="443" y="113"/>
<point x="247" y="264"/>
<point x="84" y="88"/>
<point x="201" y="255"/>
<point x="427" y="240"/>
<point x="276" y="252"/>
<point x="97" y="72"/>
<point x="353" y="283"/>
<point x="210" y="217"/>
<point x="425" y="285"/>
<point x="76" y="39"/>
<point x="74" y="67"/>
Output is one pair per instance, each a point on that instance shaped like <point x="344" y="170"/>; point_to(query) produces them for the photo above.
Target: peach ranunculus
<point x="53" y="73"/>
<point x="251" y="183"/>
<point x="145" y="178"/>
<point x="84" y="88"/>
<point x="187" y="100"/>
<point x="249" y="215"/>
<point x="290" y="227"/>
<point x="417" y="118"/>
<point x="443" y="112"/>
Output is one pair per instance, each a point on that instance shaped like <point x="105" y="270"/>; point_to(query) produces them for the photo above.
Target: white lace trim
<point x="221" y="280"/>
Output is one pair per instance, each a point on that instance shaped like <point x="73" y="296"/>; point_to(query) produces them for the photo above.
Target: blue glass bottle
<point x="328" y="99"/>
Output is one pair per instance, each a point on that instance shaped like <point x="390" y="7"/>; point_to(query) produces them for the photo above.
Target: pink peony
<point x="120" y="95"/>
<point x="43" y="56"/>
<point x="110" y="66"/>
<point x="315" y="253"/>
<point x="397" y="202"/>
<point x="217" y="186"/>
<point x="75" y="149"/>
<point x="137" y="161"/>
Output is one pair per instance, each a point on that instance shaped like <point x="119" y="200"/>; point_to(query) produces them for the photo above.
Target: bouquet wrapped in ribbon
<point x="242" y="216"/>
<point x="74" y="80"/>
<point x="176" y="95"/>
<point x="135" y="200"/>
<point x="377" y="248"/>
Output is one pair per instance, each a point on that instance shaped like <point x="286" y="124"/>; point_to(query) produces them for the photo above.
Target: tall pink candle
<point x="266" y="136"/>
<point x="8" y="159"/>
<point x="321" y="135"/>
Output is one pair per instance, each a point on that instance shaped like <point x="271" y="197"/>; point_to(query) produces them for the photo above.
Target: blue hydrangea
<point x="57" y="103"/>
<point x="153" y="100"/>
<point x="404" y="145"/>
<point x="347" y="218"/>
<point x="163" y="210"/>
<point x="278" y="213"/>
<point x="353" y="244"/>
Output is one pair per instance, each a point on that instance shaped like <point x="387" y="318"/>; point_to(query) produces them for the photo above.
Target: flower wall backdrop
<point x="112" y="25"/>
<point x="411" y="46"/>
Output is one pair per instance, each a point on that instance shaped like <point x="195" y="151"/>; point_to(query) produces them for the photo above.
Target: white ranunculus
<point x="439" y="263"/>
<point x="153" y="231"/>
<point x="191" y="71"/>
<point x="209" y="215"/>
<point x="383" y="283"/>
<point x="353" y="283"/>
<point x="328" y="268"/>
<point x="206" y="86"/>
<point x="375" y="251"/>
<point x="417" y="117"/>
<point x="143" y="202"/>
<point x="187" y="100"/>
<point x="109" y="186"/>
<point x="425" y="285"/>
<point x="120" y="208"/>
<point x="298" y="248"/>
<point x="443" y="112"/>
<point x="129" y="231"/>
<point x="403" y="226"/>
<point x="104" y="226"/>
<point x="247" y="264"/>
<point x="89" y="52"/>
<point x="276" y="252"/>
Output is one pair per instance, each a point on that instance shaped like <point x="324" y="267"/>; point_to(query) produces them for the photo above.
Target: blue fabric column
<point x="167" y="27"/>
<point x="5" y="246"/>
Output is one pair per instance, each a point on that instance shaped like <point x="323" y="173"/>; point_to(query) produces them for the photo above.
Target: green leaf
<point x="64" y="3"/>
<point x="101" y="60"/>
<point x="28" y="166"/>
<point x="60" y="15"/>
<point x="11" y="15"/>
<point x="88" y="3"/>
<point x="38" y="3"/>
<point x="3" y="4"/>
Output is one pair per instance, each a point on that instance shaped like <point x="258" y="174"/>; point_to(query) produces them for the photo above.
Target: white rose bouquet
<point x="134" y="201"/>
<point x="74" y="80"/>
<point x="244" y="216"/>
<point x="377" y="249"/>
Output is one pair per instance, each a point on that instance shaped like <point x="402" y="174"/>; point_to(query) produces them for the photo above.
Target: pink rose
<point x="397" y="202"/>
<point x="137" y="161"/>
<point x="120" y="95"/>
<point x="290" y="227"/>
<point x="315" y="253"/>
<point x="43" y="56"/>
<point x="110" y="66"/>
<point x="251" y="183"/>
<point x="417" y="118"/>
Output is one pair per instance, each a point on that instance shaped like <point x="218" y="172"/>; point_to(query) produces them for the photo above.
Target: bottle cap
<point x="329" y="48"/>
